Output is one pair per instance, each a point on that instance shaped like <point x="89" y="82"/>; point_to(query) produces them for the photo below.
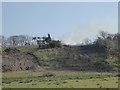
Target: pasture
<point x="61" y="79"/>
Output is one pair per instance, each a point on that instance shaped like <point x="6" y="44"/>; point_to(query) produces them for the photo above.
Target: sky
<point x="70" y="22"/>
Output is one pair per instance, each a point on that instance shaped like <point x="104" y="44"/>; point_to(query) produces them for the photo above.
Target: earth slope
<point x="82" y="58"/>
<point x="15" y="60"/>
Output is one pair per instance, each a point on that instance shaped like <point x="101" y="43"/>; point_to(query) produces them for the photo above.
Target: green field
<point x="63" y="79"/>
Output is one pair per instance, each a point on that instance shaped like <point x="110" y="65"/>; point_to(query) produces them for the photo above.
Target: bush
<point x="102" y="66"/>
<point x="54" y="44"/>
<point x="49" y="74"/>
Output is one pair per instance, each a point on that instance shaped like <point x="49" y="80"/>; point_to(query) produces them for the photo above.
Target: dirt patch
<point x="11" y="51"/>
<point x="15" y="60"/>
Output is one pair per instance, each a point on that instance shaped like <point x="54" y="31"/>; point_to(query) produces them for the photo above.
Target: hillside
<point x="82" y="58"/>
<point x="15" y="60"/>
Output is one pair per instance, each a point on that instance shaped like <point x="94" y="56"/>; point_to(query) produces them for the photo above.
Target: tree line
<point x="109" y="41"/>
<point x="16" y="40"/>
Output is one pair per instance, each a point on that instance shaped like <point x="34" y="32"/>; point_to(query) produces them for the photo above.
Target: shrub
<point x="49" y="74"/>
<point x="54" y="44"/>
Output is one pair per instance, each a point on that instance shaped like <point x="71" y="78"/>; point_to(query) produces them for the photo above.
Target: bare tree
<point x="109" y="41"/>
<point x="14" y="40"/>
<point x="103" y="34"/>
<point x="87" y="41"/>
<point x="22" y="40"/>
<point x="3" y="41"/>
<point x="28" y="40"/>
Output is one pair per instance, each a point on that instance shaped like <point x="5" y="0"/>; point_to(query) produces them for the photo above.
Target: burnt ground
<point x="82" y="58"/>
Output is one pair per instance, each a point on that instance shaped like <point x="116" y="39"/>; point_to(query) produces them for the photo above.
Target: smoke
<point x="91" y="31"/>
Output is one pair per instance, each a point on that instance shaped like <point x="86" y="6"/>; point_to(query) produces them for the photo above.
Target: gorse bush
<point x="109" y="41"/>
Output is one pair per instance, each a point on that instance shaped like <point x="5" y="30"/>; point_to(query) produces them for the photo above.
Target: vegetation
<point x="92" y="65"/>
<point x="27" y="48"/>
<point x="60" y="79"/>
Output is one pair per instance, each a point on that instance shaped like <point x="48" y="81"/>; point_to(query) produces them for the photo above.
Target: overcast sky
<point x="70" y="22"/>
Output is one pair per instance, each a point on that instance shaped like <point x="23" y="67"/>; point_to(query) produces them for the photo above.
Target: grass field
<point x="63" y="79"/>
